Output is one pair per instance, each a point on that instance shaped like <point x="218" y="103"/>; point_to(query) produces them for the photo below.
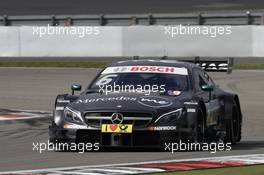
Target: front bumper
<point x="138" y="138"/>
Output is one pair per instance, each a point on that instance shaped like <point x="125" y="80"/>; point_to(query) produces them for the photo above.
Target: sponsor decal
<point x="146" y="69"/>
<point x="116" y="128"/>
<point x="162" y="128"/>
<point x="74" y="126"/>
<point x="152" y="101"/>
<point x="107" y="99"/>
<point x="213" y="66"/>
<point x="191" y="110"/>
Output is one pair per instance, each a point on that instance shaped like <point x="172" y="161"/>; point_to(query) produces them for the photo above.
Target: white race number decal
<point x="106" y="79"/>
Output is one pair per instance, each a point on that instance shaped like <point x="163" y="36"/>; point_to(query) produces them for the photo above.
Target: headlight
<point x="169" y="117"/>
<point x="73" y="116"/>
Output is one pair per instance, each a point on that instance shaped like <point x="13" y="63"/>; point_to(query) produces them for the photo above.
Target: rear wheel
<point x="233" y="127"/>
<point x="200" y="127"/>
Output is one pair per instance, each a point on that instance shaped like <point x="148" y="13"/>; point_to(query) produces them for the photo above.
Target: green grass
<point x="245" y="170"/>
<point x="80" y="64"/>
<point x="90" y="64"/>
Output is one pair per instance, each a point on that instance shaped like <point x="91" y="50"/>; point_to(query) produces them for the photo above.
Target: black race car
<point x="148" y="103"/>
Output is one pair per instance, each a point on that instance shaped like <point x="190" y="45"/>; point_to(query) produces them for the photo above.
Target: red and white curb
<point x="7" y="114"/>
<point x="152" y="167"/>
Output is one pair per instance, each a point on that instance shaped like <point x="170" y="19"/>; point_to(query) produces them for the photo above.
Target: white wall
<point x="244" y="41"/>
<point x="147" y="41"/>
<point x="9" y="41"/>
<point x="258" y="41"/>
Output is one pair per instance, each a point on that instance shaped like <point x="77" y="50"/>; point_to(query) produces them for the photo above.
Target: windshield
<point x="139" y="80"/>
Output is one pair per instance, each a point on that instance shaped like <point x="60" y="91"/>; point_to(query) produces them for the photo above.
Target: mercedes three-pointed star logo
<point x="117" y="118"/>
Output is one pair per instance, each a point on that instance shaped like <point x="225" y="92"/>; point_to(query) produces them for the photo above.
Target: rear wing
<point x="214" y="65"/>
<point x="208" y="65"/>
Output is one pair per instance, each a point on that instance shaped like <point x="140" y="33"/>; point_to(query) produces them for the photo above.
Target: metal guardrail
<point x="230" y="18"/>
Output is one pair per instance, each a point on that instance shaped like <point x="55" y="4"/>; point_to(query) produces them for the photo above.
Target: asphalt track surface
<point x="50" y="7"/>
<point x="35" y="88"/>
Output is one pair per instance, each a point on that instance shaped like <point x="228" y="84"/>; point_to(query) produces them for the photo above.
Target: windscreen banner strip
<point x="146" y="69"/>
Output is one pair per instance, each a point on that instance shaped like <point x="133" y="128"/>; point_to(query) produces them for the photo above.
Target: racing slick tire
<point x="233" y="127"/>
<point x="200" y="127"/>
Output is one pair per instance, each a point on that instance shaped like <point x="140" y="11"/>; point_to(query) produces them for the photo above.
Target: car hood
<point x="129" y="102"/>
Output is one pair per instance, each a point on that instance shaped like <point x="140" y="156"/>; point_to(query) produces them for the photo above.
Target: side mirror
<point x="76" y="87"/>
<point x="208" y="88"/>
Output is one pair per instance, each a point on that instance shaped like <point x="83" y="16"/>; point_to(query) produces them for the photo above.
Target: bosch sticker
<point x="146" y="69"/>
